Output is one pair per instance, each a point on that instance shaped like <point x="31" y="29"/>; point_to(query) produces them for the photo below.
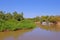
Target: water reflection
<point x="41" y="32"/>
<point x="54" y="28"/>
<point x="12" y="35"/>
<point x="9" y="38"/>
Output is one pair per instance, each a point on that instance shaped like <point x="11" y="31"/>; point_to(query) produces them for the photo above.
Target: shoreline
<point x="58" y="23"/>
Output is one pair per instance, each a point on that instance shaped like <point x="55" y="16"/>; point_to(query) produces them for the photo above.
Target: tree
<point x="57" y="18"/>
<point x="8" y="16"/>
<point x="44" y="18"/>
<point x="1" y="15"/>
<point x="51" y="18"/>
<point x="22" y="18"/>
<point x="37" y="18"/>
<point x="17" y="16"/>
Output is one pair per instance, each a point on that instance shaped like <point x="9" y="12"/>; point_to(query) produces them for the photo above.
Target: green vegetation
<point x="15" y="21"/>
<point x="27" y="24"/>
<point x="12" y="25"/>
<point x="50" y="18"/>
<point x="46" y="18"/>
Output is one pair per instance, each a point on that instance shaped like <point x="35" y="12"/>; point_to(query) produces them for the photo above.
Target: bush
<point x="2" y="25"/>
<point x="12" y="25"/>
<point x="27" y="24"/>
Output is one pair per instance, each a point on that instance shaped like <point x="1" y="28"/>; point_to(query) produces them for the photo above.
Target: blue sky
<point x="31" y="8"/>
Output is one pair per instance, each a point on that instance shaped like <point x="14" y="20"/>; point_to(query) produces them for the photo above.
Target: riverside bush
<point x="12" y="25"/>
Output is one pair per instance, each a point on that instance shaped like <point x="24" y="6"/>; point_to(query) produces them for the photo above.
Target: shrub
<point x="12" y="25"/>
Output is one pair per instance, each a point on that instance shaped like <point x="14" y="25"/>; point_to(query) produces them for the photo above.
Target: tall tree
<point x="8" y="16"/>
<point x="1" y="15"/>
<point x="18" y="16"/>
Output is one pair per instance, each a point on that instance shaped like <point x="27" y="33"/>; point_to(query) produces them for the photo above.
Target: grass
<point x="12" y="25"/>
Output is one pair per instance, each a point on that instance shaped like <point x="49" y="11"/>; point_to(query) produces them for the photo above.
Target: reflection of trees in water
<point x="50" y="27"/>
<point x="14" y="34"/>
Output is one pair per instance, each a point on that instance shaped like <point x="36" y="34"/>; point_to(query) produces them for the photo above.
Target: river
<point x="38" y="33"/>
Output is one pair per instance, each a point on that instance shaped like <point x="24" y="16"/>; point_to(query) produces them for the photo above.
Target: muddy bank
<point x="50" y="23"/>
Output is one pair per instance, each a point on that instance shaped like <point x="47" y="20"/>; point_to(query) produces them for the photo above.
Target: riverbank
<point x="13" y="25"/>
<point x="50" y="24"/>
<point x="54" y="27"/>
<point x="58" y="23"/>
<point x="14" y="34"/>
<point x="39" y="23"/>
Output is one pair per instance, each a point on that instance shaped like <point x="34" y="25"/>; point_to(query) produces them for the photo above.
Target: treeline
<point x="50" y="18"/>
<point x="19" y="16"/>
<point x="46" y="18"/>
<point x="14" y="21"/>
<point x="14" y="15"/>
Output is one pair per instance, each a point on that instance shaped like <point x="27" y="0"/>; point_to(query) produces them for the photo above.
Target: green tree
<point x="17" y="16"/>
<point x="1" y="15"/>
<point x="37" y="18"/>
<point x="8" y="16"/>
<point x="57" y="18"/>
<point x="44" y="18"/>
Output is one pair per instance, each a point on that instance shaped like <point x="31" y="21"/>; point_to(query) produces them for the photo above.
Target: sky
<point x="31" y="8"/>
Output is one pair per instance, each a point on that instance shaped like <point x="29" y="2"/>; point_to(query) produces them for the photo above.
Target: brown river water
<point x="38" y="33"/>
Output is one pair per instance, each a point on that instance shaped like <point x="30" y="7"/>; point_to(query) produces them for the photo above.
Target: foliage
<point x="44" y="18"/>
<point x="2" y="25"/>
<point x="14" y="21"/>
<point x="50" y="18"/>
<point x="27" y="24"/>
<point x="12" y="25"/>
<point x="8" y="16"/>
